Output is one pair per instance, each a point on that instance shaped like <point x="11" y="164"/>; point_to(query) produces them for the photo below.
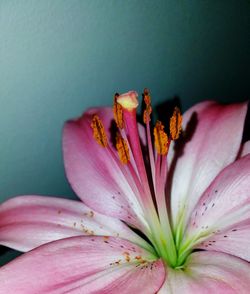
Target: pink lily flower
<point x="168" y="217"/>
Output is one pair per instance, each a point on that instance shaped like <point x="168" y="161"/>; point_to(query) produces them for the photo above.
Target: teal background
<point x="59" y="57"/>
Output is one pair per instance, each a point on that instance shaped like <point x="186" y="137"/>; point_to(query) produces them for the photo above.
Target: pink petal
<point x="94" y="175"/>
<point x="234" y="241"/>
<point x="84" y="265"/>
<point x="224" y="207"/>
<point x="29" y="221"/>
<point x="209" y="272"/>
<point x="245" y="149"/>
<point x="213" y="137"/>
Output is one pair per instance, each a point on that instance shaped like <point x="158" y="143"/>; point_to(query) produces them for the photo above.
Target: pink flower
<point x="189" y="200"/>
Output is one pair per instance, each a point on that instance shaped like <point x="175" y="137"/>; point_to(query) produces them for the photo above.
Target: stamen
<point x="148" y="110"/>
<point x="146" y="119"/>
<point x="175" y="124"/>
<point x="161" y="139"/>
<point x="99" y="133"/>
<point x="118" y="115"/>
<point x="122" y="148"/>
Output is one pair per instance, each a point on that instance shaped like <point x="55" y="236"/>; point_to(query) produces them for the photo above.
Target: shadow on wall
<point x="164" y="111"/>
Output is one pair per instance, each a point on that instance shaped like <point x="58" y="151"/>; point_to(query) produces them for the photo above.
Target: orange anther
<point x="118" y="115"/>
<point x="175" y="124"/>
<point x="146" y="96"/>
<point x="99" y="131"/>
<point x="161" y="139"/>
<point x="122" y="148"/>
<point x="148" y="110"/>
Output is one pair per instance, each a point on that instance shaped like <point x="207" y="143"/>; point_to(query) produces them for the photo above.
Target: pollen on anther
<point x="118" y="114"/>
<point x="175" y="124"/>
<point x="161" y="139"/>
<point x="99" y="131"/>
<point x="123" y="149"/>
<point x="148" y="110"/>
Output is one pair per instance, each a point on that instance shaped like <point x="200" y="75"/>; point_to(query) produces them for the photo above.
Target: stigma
<point x="128" y="101"/>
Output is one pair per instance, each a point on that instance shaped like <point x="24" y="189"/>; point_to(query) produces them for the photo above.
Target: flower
<point x="168" y="218"/>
